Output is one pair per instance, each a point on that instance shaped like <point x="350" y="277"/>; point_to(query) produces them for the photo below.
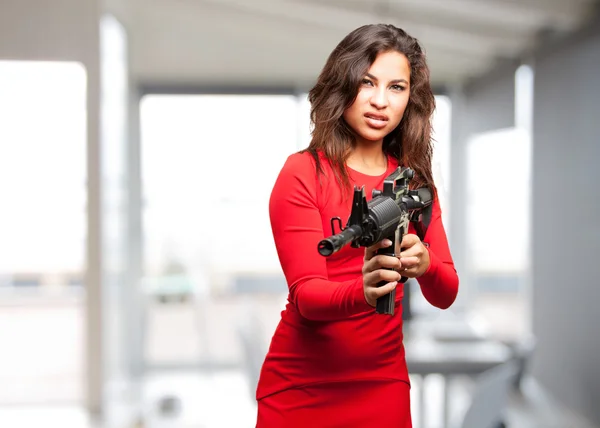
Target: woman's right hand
<point x="376" y="268"/>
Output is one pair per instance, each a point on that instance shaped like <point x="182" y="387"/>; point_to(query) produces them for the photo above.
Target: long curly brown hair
<point x="337" y="87"/>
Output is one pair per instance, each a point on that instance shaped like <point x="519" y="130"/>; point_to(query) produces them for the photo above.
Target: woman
<point x="333" y="361"/>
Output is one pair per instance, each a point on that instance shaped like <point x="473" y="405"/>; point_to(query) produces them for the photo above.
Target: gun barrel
<point x="335" y="243"/>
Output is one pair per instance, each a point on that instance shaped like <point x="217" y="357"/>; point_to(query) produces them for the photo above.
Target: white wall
<point x="566" y="222"/>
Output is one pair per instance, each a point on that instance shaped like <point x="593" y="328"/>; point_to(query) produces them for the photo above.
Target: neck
<point x="368" y="158"/>
<point x="370" y="155"/>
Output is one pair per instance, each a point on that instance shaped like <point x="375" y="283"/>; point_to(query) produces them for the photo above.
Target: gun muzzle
<point x="336" y="242"/>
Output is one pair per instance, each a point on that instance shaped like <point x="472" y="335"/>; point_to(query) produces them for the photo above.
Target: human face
<point x="381" y="100"/>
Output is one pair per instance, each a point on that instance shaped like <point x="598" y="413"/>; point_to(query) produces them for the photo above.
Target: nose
<point x="379" y="98"/>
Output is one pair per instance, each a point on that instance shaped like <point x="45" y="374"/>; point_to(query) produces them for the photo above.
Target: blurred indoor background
<point x="140" y="140"/>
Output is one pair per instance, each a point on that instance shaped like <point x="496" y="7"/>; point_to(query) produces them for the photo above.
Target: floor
<point x="41" y="372"/>
<point x="186" y="400"/>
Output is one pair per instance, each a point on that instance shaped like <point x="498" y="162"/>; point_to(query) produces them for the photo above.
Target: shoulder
<point x="300" y="162"/>
<point x="296" y="184"/>
<point x="304" y="164"/>
<point x="298" y="170"/>
<point x="302" y="174"/>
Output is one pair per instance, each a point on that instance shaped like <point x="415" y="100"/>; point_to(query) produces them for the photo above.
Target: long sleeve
<point x="439" y="283"/>
<point x="297" y="228"/>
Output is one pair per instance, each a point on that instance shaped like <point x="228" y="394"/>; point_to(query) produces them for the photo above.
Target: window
<point x="43" y="230"/>
<point x="498" y="218"/>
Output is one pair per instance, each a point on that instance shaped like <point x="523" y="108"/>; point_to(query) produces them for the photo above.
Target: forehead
<point x="390" y="65"/>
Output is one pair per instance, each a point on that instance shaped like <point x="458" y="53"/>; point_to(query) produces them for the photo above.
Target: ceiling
<point x="284" y="43"/>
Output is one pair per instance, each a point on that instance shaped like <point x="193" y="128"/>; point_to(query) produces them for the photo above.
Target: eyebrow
<point x="392" y="81"/>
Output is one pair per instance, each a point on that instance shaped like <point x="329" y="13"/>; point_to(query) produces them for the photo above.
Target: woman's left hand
<point x="414" y="257"/>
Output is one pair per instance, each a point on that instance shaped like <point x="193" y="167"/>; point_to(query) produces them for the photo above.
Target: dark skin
<point x="412" y="263"/>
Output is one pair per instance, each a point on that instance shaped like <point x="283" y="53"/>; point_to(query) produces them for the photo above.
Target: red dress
<point x="334" y="362"/>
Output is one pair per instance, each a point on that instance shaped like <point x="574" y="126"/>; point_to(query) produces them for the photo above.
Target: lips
<point x="376" y="120"/>
<point x="376" y="116"/>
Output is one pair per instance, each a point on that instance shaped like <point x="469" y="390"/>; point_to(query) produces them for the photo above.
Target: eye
<point x="367" y="82"/>
<point x="398" y="88"/>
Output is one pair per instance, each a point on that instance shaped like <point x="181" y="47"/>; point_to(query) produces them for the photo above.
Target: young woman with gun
<point x="333" y="360"/>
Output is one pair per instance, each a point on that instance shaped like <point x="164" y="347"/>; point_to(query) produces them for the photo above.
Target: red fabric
<point x="328" y="333"/>
<point x="338" y="405"/>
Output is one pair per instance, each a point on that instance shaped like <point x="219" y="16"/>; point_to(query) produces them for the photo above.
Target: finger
<point x="414" y="251"/>
<point x="370" y="251"/>
<point x="382" y="261"/>
<point x="409" y="240"/>
<point x="377" y="292"/>
<point x="409" y="262"/>
<point x="373" y="278"/>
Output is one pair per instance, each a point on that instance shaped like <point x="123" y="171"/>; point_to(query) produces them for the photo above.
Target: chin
<point x="374" y="136"/>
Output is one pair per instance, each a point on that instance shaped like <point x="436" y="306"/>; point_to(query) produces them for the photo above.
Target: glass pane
<point x="43" y="230"/>
<point x="208" y="166"/>
<point x="499" y="203"/>
<point x="441" y="154"/>
<point x="498" y="232"/>
<point x="209" y="163"/>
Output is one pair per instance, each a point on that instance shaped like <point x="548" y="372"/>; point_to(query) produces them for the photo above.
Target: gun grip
<point x="385" y="304"/>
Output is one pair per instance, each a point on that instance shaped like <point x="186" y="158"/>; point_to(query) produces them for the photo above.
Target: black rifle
<point x="386" y="215"/>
